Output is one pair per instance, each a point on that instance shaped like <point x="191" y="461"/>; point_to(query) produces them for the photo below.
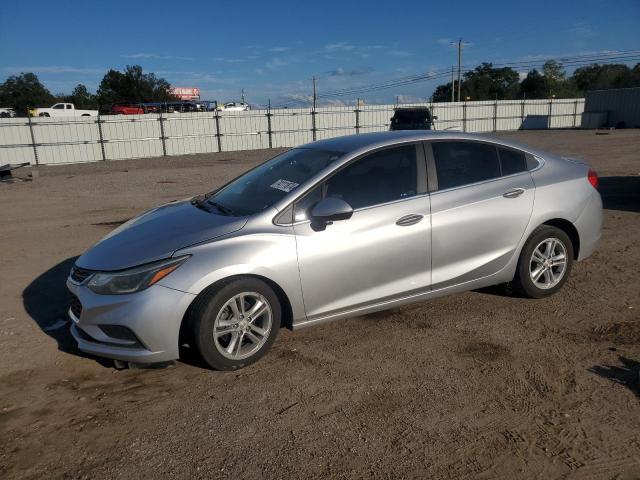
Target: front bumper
<point x="153" y="316"/>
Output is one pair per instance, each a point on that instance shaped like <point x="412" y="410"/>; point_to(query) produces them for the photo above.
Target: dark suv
<point x="411" y="118"/>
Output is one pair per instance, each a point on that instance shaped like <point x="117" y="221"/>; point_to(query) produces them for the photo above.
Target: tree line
<point x="487" y="82"/>
<point x="25" y="91"/>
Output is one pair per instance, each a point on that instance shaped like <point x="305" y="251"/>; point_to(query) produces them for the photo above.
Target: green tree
<point x="635" y="76"/>
<point x="602" y="77"/>
<point x="534" y="85"/>
<point x="556" y="81"/>
<point x="442" y="93"/>
<point x="488" y="83"/>
<point x="133" y="85"/>
<point x="82" y="98"/>
<point x="24" y="91"/>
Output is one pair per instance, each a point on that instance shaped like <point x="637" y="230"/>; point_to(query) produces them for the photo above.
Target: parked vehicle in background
<point x="236" y="107"/>
<point x="64" y="110"/>
<point x="411" y="118"/>
<point x="333" y="229"/>
<point x="125" y="108"/>
<point x="173" y="107"/>
<point x="190" y="106"/>
<point x="7" y="113"/>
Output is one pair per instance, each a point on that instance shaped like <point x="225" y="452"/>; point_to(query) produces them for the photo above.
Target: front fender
<point x="269" y="255"/>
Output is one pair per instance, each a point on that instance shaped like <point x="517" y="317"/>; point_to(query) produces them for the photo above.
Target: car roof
<point x="369" y="141"/>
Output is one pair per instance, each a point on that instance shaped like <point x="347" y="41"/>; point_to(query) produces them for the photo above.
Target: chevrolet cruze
<point x="333" y="229"/>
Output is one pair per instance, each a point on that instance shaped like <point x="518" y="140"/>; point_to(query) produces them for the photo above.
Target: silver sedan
<point x="329" y="230"/>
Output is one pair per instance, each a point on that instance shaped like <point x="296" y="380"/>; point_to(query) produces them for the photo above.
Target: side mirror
<point x="330" y="210"/>
<point x="435" y="117"/>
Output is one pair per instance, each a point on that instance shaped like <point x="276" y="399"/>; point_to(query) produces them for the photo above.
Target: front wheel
<point x="545" y="262"/>
<point x="235" y="324"/>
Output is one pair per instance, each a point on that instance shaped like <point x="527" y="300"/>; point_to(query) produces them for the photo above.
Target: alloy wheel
<point x="548" y="263"/>
<point x="242" y="325"/>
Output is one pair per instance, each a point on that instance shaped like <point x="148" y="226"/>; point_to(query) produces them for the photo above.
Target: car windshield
<point x="263" y="186"/>
<point x="411" y="116"/>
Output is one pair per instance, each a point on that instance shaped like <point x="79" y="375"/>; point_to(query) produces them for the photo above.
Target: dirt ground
<point x="477" y="385"/>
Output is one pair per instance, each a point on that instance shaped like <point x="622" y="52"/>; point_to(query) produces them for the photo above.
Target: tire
<point x="44" y="115"/>
<point x="213" y="315"/>
<point x="541" y="276"/>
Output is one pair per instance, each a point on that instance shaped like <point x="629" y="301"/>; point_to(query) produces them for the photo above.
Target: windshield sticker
<point x="284" y="185"/>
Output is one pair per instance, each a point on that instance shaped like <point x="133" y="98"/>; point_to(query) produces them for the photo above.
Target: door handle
<point x="516" y="192"/>
<point x="408" y="220"/>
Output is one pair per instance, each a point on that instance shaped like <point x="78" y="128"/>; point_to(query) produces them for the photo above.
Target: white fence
<point x="45" y="141"/>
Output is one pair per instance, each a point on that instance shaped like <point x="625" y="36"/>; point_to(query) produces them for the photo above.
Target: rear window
<point x="512" y="161"/>
<point x="463" y="163"/>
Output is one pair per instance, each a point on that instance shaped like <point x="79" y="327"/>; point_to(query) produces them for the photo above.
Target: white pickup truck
<point x="64" y="110"/>
<point x="7" y="113"/>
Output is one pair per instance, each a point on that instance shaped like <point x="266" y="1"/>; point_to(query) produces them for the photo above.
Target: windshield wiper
<point x="199" y="202"/>
<point x="224" y="210"/>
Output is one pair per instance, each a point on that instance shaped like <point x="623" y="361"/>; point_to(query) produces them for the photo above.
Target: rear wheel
<point x="545" y="262"/>
<point x="234" y="325"/>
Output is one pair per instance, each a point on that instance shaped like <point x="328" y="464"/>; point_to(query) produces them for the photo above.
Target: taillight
<point x="592" y="176"/>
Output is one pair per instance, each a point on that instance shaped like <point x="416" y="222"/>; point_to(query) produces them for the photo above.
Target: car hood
<point x="156" y="234"/>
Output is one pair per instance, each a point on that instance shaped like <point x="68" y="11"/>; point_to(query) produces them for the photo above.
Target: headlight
<point x="133" y="279"/>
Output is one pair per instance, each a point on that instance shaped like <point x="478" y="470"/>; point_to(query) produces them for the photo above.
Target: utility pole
<point x="453" y="86"/>
<point x="315" y="97"/>
<point x="313" y="111"/>
<point x="459" y="44"/>
<point x="459" y="65"/>
<point x="242" y="94"/>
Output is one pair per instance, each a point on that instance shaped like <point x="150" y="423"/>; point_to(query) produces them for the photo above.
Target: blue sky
<point x="272" y="49"/>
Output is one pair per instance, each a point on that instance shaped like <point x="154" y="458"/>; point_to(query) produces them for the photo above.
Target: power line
<point x="573" y="61"/>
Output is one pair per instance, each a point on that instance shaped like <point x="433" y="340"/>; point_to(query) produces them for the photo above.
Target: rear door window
<point x="463" y="163"/>
<point x="512" y="161"/>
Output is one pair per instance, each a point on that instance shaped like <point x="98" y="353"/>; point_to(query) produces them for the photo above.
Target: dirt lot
<point x="478" y="385"/>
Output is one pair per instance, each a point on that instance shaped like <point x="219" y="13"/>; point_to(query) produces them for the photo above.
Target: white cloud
<point x="339" y="46"/>
<point x="341" y="72"/>
<point x="276" y="63"/>
<point x="400" y="53"/>
<point x="279" y="49"/>
<point x="334" y="103"/>
<point x="563" y="56"/>
<point x="149" y="56"/>
<point x="410" y="99"/>
<point x="54" y="69"/>
<point x="581" y="30"/>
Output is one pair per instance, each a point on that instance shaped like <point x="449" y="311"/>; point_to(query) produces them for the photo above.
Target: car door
<point x="382" y="251"/>
<point x="481" y="204"/>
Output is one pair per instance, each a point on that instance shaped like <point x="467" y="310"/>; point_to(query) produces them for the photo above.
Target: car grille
<point x="79" y="275"/>
<point x="75" y="306"/>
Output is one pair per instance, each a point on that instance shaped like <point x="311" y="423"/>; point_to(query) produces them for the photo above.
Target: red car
<point x="127" y="109"/>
